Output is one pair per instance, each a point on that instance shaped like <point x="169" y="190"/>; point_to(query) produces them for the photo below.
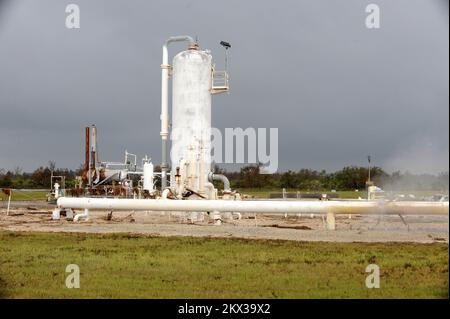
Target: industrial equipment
<point x="190" y="187"/>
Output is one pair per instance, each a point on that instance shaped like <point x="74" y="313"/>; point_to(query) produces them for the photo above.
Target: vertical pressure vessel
<point x="148" y="177"/>
<point x="191" y="118"/>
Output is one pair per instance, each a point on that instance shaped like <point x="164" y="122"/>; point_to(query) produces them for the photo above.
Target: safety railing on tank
<point x="220" y="82"/>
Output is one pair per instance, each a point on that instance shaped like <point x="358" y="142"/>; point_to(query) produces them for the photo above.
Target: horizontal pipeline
<point x="244" y="206"/>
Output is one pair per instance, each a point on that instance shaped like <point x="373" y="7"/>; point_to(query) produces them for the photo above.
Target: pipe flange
<point x="166" y="66"/>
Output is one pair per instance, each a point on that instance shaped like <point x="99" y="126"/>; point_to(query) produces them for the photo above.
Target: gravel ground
<point x="423" y="229"/>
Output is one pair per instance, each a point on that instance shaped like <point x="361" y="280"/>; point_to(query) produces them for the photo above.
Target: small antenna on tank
<point x="227" y="46"/>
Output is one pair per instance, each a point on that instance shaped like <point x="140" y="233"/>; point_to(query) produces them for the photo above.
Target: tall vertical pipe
<point x="165" y="103"/>
<point x="93" y="151"/>
<point x="86" y="154"/>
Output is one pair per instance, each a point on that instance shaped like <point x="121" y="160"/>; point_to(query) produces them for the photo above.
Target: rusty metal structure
<point x="114" y="179"/>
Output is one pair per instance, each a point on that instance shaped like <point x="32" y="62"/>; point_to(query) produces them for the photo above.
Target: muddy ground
<point x="37" y="216"/>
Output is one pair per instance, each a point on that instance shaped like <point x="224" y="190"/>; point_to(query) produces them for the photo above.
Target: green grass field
<point x="131" y="266"/>
<point x="265" y="193"/>
<point x="19" y="195"/>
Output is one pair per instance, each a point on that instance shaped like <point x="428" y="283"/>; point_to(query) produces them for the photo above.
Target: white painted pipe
<point x="222" y="178"/>
<point x="244" y="206"/>
<point x="165" y="193"/>
<point x="85" y="215"/>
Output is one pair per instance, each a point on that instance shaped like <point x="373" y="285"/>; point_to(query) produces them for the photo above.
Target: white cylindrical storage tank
<point x="148" y="177"/>
<point x="191" y="118"/>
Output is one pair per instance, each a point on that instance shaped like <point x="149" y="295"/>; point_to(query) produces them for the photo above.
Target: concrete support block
<point x="331" y="221"/>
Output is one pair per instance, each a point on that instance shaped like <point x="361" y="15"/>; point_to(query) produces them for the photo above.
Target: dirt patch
<point x="422" y="229"/>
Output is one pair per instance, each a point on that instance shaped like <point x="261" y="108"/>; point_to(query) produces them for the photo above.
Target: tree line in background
<point x="348" y="178"/>
<point x="40" y="178"/>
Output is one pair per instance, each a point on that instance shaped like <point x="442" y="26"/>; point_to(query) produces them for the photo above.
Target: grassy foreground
<point x="32" y="265"/>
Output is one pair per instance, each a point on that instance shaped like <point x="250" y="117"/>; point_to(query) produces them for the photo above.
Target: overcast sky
<point x="336" y="90"/>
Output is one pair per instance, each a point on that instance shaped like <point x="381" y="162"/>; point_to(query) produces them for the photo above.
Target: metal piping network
<point x="165" y="66"/>
<point x="330" y="208"/>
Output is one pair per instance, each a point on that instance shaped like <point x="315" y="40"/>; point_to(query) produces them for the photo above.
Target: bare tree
<point x="18" y="170"/>
<point x="52" y="165"/>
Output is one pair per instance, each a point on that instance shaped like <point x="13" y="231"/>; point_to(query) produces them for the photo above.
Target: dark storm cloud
<point x="3" y="8"/>
<point x="336" y="90"/>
